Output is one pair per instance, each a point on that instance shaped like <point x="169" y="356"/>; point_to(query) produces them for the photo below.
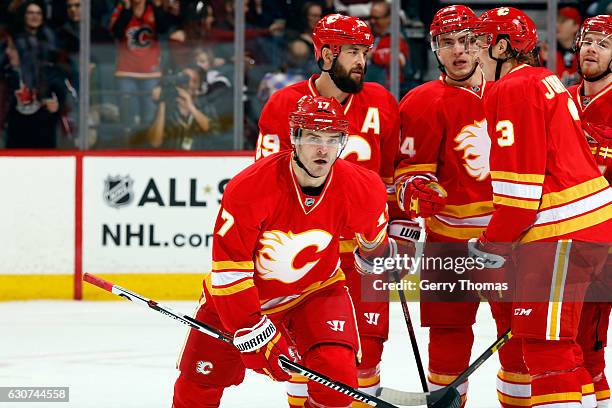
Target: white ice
<point x="117" y="354"/>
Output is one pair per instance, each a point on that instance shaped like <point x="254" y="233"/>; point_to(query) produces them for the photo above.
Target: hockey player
<point x="341" y="44"/>
<point x="546" y="189"/>
<point x="446" y="148"/>
<point x="593" y="96"/>
<point x="276" y="272"/>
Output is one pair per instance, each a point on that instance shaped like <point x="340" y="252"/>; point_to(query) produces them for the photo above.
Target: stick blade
<point x="444" y="398"/>
<point x="401" y="397"/>
<point x="99" y="282"/>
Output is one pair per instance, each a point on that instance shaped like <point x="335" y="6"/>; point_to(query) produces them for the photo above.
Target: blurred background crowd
<point x="161" y="72"/>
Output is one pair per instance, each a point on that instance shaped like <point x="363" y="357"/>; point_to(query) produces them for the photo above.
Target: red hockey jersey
<point x="444" y="133"/>
<point x="545" y="182"/>
<point x="139" y="50"/>
<point x="373" y="125"/>
<point x="373" y="133"/>
<point x="273" y="246"/>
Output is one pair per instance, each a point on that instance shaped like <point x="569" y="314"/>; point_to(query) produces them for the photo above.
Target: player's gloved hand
<point x="373" y="266"/>
<point x="421" y="196"/>
<point x="492" y="262"/>
<point x="406" y="234"/>
<point x="261" y="345"/>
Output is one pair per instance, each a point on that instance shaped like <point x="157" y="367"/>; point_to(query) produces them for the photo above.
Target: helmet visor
<point x="603" y="42"/>
<point x="319" y="138"/>
<point x="479" y="41"/>
<point x="448" y="41"/>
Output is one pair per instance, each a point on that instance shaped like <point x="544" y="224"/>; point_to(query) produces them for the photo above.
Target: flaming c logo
<point x="475" y="143"/>
<point x="275" y="260"/>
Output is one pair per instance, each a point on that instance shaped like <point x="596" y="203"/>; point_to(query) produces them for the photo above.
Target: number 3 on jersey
<point x="507" y="133"/>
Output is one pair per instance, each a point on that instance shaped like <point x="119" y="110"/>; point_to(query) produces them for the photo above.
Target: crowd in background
<point x="161" y="71"/>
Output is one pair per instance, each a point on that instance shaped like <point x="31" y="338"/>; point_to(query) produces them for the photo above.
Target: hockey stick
<point x="447" y="397"/>
<point x="413" y="340"/>
<point x="204" y="328"/>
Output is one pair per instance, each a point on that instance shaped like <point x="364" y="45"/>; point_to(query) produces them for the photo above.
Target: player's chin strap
<point x="598" y="77"/>
<point x="500" y="63"/>
<point x="297" y="161"/>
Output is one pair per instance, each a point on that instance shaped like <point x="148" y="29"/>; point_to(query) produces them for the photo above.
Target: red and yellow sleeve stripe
<point x="519" y="190"/>
<point x="230" y="277"/>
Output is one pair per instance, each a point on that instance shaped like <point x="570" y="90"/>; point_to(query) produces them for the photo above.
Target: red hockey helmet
<point x="319" y="113"/>
<point x="520" y="30"/>
<point x="600" y="24"/>
<point x="452" y="18"/>
<point x="336" y="30"/>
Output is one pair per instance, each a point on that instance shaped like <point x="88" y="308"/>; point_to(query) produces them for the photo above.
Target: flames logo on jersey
<point x="276" y="258"/>
<point x="476" y="144"/>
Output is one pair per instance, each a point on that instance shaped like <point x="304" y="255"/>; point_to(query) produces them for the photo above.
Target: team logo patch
<point x="204" y="367"/>
<point x="309" y="202"/>
<point x="473" y="140"/>
<point x="118" y="191"/>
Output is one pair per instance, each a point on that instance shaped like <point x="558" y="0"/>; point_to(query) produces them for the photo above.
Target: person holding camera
<point x="179" y="121"/>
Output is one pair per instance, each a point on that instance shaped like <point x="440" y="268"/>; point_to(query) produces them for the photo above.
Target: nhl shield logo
<point x="118" y="191"/>
<point x="309" y="201"/>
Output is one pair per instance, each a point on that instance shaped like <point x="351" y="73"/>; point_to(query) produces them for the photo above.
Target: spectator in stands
<point x="297" y="8"/>
<point x="69" y="41"/>
<point x="380" y="58"/>
<point x="136" y="26"/>
<point x="289" y="73"/>
<point x="179" y="121"/>
<point x="197" y="19"/>
<point x="216" y="99"/>
<point x="68" y="61"/>
<point x="35" y="83"/>
<point x="263" y="44"/>
<point x="568" y="24"/>
<point x="311" y="14"/>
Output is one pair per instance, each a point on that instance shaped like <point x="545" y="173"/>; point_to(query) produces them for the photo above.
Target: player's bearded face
<point x="595" y="54"/>
<point x="318" y="151"/>
<point x="349" y="71"/>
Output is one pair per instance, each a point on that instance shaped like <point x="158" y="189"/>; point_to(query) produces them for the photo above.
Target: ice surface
<point x="116" y="354"/>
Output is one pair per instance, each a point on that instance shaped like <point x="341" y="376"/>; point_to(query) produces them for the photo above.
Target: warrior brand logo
<point x="118" y="191"/>
<point x="476" y="144"/>
<point x="336" y="325"/>
<point x="410" y="233"/>
<point x="309" y="202"/>
<point x="372" y="318"/>
<point x="522" y="312"/>
<point x="204" y="367"/>
<point x="257" y="341"/>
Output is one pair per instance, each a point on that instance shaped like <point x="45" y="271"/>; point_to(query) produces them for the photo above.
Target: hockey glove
<point x="421" y="196"/>
<point x="373" y="266"/>
<point x="600" y="141"/>
<point x="261" y="345"/>
<point x="492" y="261"/>
<point x="406" y="234"/>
